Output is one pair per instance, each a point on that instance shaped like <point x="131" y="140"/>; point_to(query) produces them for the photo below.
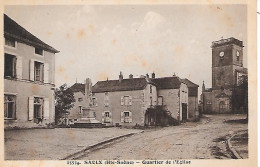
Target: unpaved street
<point x="203" y="140"/>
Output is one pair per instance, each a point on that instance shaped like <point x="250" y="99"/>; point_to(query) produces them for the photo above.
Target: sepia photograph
<point x="117" y="84"/>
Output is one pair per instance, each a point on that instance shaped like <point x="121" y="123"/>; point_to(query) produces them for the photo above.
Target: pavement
<point x="54" y="144"/>
<point x="191" y="140"/>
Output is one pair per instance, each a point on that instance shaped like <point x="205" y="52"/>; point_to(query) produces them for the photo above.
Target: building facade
<point x="29" y="66"/>
<point x="141" y="101"/>
<point x="193" y="110"/>
<point x="227" y="73"/>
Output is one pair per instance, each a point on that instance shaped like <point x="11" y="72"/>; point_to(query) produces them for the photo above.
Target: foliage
<point x="240" y="97"/>
<point x="64" y="101"/>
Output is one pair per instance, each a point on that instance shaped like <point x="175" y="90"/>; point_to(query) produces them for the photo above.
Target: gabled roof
<point x="189" y="83"/>
<point x="124" y="85"/>
<point x="78" y="87"/>
<point x="14" y="30"/>
<point x="167" y="82"/>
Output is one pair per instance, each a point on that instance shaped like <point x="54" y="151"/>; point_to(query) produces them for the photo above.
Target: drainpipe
<point x="179" y="105"/>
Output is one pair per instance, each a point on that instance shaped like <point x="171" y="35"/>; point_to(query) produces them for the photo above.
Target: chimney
<point x="203" y="87"/>
<point x="131" y="76"/>
<point x="120" y="77"/>
<point x="153" y="75"/>
<point x="88" y="89"/>
<point x="147" y="75"/>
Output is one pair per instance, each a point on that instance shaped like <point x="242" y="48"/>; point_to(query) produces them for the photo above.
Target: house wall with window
<point x="122" y="104"/>
<point x="173" y="99"/>
<point x="23" y="91"/>
<point x="183" y="99"/>
<point x="34" y="95"/>
<point x="27" y="56"/>
<point x="118" y="104"/>
<point x="76" y="112"/>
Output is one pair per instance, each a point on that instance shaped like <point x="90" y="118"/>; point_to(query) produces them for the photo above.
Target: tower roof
<point x="227" y="41"/>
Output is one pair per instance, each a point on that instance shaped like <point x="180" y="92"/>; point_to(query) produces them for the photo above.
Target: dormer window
<point x="39" y="51"/>
<point x="10" y="42"/>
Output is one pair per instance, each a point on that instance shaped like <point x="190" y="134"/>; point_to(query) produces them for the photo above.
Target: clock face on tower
<point x="221" y="54"/>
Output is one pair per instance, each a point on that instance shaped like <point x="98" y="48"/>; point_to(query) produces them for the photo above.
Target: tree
<point x="64" y="101"/>
<point x="240" y="96"/>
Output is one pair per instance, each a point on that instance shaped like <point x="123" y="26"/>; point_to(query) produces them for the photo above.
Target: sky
<point x="99" y="41"/>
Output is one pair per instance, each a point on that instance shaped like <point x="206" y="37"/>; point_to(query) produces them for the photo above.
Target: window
<point x="126" y="100"/>
<point x="151" y="89"/>
<point x="126" y="116"/>
<point x="38" y="71"/>
<point x="160" y="100"/>
<point x="75" y="120"/>
<point x="80" y="99"/>
<point x="106" y="117"/>
<point x="80" y="109"/>
<point x="10" y="66"/>
<point x="237" y="58"/>
<point x="38" y="51"/>
<point x="94" y="101"/>
<point x="9" y="106"/>
<point x="10" y="42"/>
<point x="151" y="101"/>
<point x="106" y="100"/>
<point x="38" y="109"/>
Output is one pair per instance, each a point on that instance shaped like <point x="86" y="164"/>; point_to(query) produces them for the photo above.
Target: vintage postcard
<point x="118" y="83"/>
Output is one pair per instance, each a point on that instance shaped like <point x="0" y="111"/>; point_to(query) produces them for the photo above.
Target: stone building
<point x="227" y="72"/>
<point x="140" y="101"/>
<point x="173" y="94"/>
<point x="29" y="66"/>
<point x="133" y="101"/>
<point x="193" y="110"/>
<point x="76" y="112"/>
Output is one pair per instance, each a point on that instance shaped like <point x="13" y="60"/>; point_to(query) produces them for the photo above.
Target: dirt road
<point x="203" y="140"/>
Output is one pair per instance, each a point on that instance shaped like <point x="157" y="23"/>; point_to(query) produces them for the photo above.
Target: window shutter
<point x="46" y="109"/>
<point x="110" y="116"/>
<point x="130" y="116"/>
<point x="31" y="107"/>
<point x="122" y="100"/>
<point x="122" y="116"/>
<point x="32" y="70"/>
<point x="19" y="69"/>
<point x="46" y="73"/>
<point x="96" y="101"/>
<point x="130" y="100"/>
<point x="103" y="116"/>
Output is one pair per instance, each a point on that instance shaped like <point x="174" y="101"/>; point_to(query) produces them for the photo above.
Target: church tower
<point x="227" y="57"/>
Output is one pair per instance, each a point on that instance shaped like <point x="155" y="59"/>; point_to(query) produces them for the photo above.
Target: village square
<point x="151" y="115"/>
